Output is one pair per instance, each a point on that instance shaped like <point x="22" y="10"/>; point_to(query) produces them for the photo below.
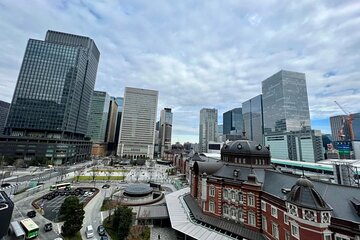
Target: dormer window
<point x="309" y="215"/>
<point x="325" y="217"/>
<point x="239" y="146"/>
<point x="259" y="147"/>
<point x="236" y="173"/>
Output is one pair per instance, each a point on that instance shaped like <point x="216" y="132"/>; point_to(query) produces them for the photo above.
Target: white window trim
<point x="251" y="195"/>
<point x="250" y="223"/>
<point x="272" y="230"/>
<point x="286" y="218"/>
<point x="297" y="229"/>
<point x="263" y="205"/>
<point x="275" y="215"/>
<point x="211" y="203"/>
<point x="327" y="235"/>
<point x="264" y="223"/>
<point x="210" y="191"/>
<point x="341" y="236"/>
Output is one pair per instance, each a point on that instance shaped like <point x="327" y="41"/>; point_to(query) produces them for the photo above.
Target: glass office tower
<point x="233" y="121"/>
<point x="285" y="102"/>
<point x="49" y="113"/>
<point x="54" y="88"/>
<point x="99" y="113"/>
<point x="253" y="119"/>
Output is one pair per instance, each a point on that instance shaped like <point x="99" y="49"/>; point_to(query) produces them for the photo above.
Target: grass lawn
<point x="82" y="178"/>
<point x="77" y="236"/>
<point x="105" y="170"/>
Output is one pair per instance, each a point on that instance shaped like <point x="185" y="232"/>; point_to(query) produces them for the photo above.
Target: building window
<point x="293" y="210"/>
<point x="309" y="215"/>
<point x="212" y="191"/>
<point x="286" y="219"/>
<point x="251" y="219"/>
<point x="226" y="210"/>
<point x="341" y="237"/>
<point x="264" y="223"/>
<point x="251" y="200"/>
<point x="295" y="230"/>
<point x="325" y="217"/>
<point x="263" y="205"/>
<point x="327" y="236"/>
<point x="233" y="195"/>
<point x="274" y="212"/>
<point x="233" y="213"/>
<point x="275" y="230"/>
<point x="226" y="193"/>
<point x="211" y="207"/>
<point x="287" y="235"/>
<point x="241" y="197"/>
<point x="240" y="215"/>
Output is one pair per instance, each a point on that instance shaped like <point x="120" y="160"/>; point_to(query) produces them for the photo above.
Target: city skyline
<point x="194" y="61"/>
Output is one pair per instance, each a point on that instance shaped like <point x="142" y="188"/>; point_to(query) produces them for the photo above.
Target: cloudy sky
<point x="201" y="53"/>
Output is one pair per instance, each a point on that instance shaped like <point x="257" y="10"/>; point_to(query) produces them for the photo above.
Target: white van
<point x="89" y="232"/>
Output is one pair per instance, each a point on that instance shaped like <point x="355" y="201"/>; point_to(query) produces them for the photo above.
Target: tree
<point x="72" y="211"/>
<point x="122" y="221"/>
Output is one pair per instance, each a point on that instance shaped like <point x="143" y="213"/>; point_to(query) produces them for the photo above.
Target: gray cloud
<point x="200" y="54"/>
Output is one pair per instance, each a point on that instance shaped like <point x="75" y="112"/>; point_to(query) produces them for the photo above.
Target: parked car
<point x="5" y="185"/>
<point x="104" y="237"/>
<point x="48" y="227"/>
<point x="101" y="230"/>
<point x="89" y="232"/>
<point x="106" y="186"/>
<point x="31" y="214"/>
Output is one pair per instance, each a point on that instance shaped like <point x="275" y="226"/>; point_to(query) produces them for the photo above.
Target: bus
<point x="30" y="228"/>
<point x="60" y="186"/>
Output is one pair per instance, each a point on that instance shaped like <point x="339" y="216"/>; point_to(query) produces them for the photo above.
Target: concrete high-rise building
<point x="99" y="112"/>
<point x="166" y="118"/>
<point x="137" y="130"/>
<point x="4" y="110"/>
<point x="285" y="102"/>
<point x="340" y="129"/>
<point x="208" y="128"/>
<point x="356" y="126"/>
<point x="233" y="121"/>
<point x="252" y="111"/>
<point x="296" y="145"/>
<point x="111" y="123"/>
<point x="52" y="97"/>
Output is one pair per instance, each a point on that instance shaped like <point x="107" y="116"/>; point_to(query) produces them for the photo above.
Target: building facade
<point x="252" y="111"/>
<point x="98" y="119"/>
<point x="120" y="103"/>
<point x="243" y="197"/>
<point x="340" y="129"/>
<point x="285" y="102"/>
<point x="137" y="130"/>
<point x="233" y="121"/>
<point x="165" y="129"/>
<point x="111" y="123"/>
<point x="53" y="93"/>
<point x="298" y="146"/>
<point x="4" y="110"/>
<point x="207" y="128"/>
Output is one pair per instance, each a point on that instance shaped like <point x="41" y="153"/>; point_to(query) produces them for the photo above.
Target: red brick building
<point x="244" y="197"/>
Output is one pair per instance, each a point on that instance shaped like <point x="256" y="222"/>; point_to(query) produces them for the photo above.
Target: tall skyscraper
<point x="356" y="126"/>
<point x="208" y="128"/>
<point x="111" y="124"/>
<point x="166" y="118"/>
<point x="53" y="94"/>
<point x="137" y="130"/>
<point x="98" y="119"/>
<point x="285" y="102"/>
<point x="340" y="129"/>
<point x="233" y="121"/>
<point x="120" y="103"/>
<point x="4" y="110"/>
<point x="252" y="111"/>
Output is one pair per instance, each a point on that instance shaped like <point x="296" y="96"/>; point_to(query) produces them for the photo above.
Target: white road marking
<point x="102" y="217"/>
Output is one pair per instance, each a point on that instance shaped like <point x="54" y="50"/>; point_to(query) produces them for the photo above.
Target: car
<point x="101" y="230"/>
<point x="5" y="185"/>
<point x="90" y="194"/>
<point x="48" y="227"/>
<point x="89" y="232"/>
<point x="104" y="237"/>
<point x="31" y="214"/>
<point x="93" y="189"/>
<point x="59" y="238"/>
<point x="86" y="194"/>
<point x="106" y="186"/>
